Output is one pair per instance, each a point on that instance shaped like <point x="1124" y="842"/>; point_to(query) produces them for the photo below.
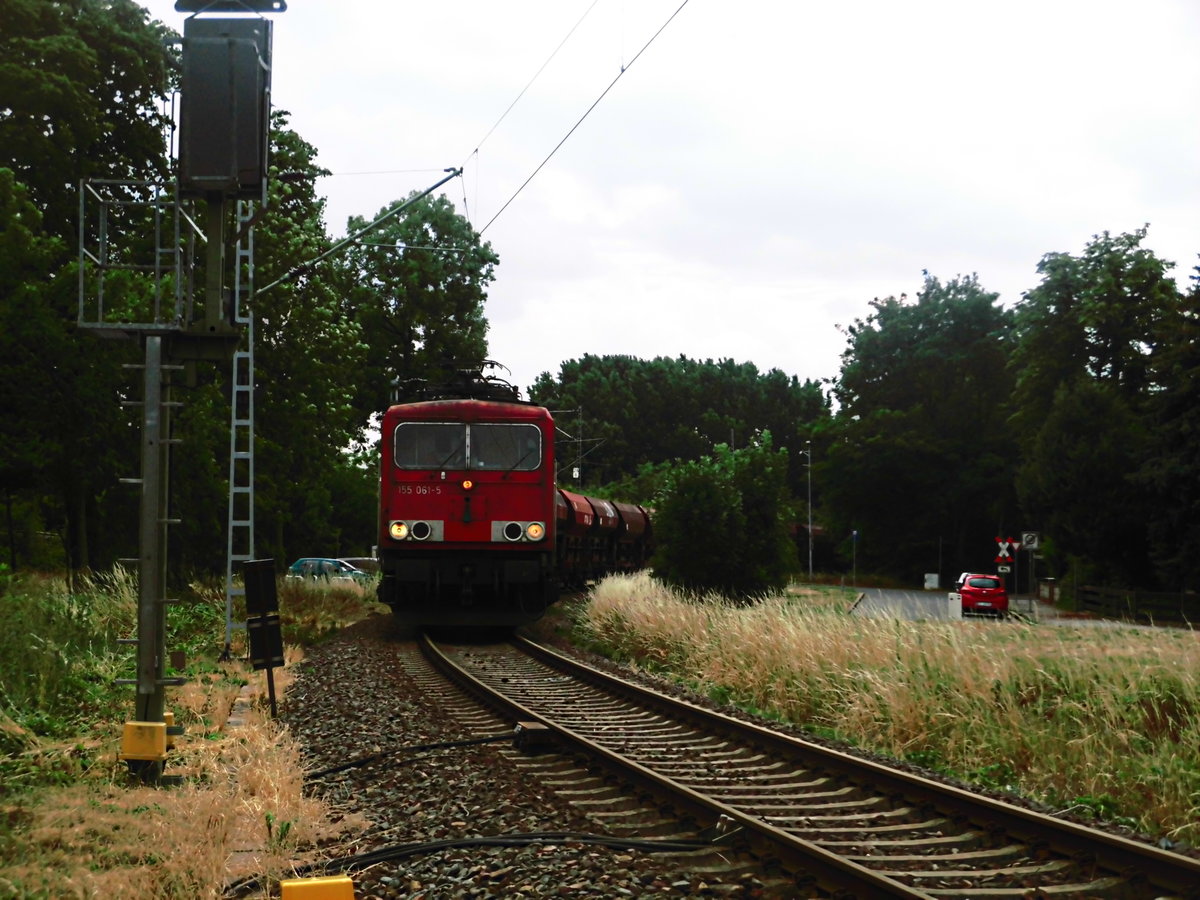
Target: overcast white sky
<point x="763" y="169"/>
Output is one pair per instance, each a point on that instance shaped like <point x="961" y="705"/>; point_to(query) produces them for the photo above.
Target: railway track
<point x="439" y="803"/>
<point x="837" y="822"/>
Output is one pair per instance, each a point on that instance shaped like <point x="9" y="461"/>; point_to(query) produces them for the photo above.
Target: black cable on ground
<point x="403" y="851"/>
<point x="419" y="748"/>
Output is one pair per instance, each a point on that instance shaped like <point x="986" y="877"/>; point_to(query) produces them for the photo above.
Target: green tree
<point x="1093" y="339"/>
<point x="919" y="458"/>
<point x="310" y="354"/>
<point x="644" y="488"/>
<point x="199" y="482"/>
<point x="1099" y="316"/>
<point x="355" y="486"/>
<point x="722" y="523"/>
<point x="1078" y="482"/>
<point x="1170" y="470"/>
<point x="622" y="412"/>
<point x="81" y="83"/>
<point x="416" y="285"/>
<point x="27" y="254"/>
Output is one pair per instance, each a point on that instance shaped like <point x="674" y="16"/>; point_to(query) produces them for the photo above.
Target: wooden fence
<point x="1138" y="606"/>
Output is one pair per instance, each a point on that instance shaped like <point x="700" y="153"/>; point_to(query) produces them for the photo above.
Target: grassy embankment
<point x="1105" y="721"/>
<point x="1096" y="721"/>
<point x="72" y="824"/>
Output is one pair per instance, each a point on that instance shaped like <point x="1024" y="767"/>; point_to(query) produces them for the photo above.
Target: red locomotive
<point x="473" y="530"/>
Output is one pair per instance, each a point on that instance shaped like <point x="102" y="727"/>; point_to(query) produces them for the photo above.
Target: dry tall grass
<point x="239" y="811"/>
<point x="1099" y="720"/>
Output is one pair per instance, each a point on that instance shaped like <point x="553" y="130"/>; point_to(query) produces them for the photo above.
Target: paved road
<point x="880" y="603"/>
<point x="895" y="604"/>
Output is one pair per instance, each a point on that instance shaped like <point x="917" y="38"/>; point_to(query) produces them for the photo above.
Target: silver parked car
<point x="328" y="569"/>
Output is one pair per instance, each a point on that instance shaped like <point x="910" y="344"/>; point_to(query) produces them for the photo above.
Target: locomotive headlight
<point x="516" y="532"/>
<point x="467" y="484"/>
<point x="398" y="530"/>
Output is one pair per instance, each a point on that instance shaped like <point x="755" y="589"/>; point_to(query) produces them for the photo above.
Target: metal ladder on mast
<point x="240" y="525"/>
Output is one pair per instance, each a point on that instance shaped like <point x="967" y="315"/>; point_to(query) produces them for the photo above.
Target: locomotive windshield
<point x="449" y="445"/>
<point x="505" y="447"/>
<point x="431" y="445"/>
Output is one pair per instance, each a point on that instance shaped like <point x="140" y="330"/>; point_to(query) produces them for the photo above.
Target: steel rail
<point x="802" y="857"/>
<point x="1119" y="855"/>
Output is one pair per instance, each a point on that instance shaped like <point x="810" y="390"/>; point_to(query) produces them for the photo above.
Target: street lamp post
<point x="808" y="453"/>
<point x="854" y="557"/>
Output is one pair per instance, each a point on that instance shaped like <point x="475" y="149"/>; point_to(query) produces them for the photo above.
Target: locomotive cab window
<point x="448" y="445"/>
<point x="431" y="445"/>
<point x="505" y="447"/>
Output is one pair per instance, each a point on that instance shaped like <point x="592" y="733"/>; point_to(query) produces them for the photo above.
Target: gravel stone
<point x="353" y="696"/>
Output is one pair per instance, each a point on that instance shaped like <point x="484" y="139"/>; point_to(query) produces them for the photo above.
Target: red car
<point x="983" y="595"/>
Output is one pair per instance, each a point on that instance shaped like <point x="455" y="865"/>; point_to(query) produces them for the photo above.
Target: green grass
<point x="58" y="654"/>
<point x="71" y="821"/>
<point x="1098" y="721"/>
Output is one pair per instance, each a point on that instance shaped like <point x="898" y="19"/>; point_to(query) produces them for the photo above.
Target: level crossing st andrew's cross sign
<point x="1005" y="548"/>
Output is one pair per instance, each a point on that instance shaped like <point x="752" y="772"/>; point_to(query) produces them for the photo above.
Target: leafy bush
<point x="722" y="525"/>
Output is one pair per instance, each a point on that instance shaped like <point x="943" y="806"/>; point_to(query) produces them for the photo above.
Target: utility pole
<point x="854" y="558"/>
<point x="808" y="453"/>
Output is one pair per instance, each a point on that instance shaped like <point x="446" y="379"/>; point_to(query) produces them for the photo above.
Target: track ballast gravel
<point x="356" y="695"/>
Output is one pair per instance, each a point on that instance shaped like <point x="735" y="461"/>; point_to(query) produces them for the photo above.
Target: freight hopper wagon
<point x="597" y="537"/>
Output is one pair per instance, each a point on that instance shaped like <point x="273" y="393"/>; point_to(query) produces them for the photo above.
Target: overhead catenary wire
<point x="387" y="172"/>
<point x="455" y="172"/>
<point x="475" y="153"/>
<point x="625" y="68"/>
<point x="399" y="245"/>
<point x="350" y="239"/>
<point x="495" y="124"/>
<point x="529" y="84"/>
